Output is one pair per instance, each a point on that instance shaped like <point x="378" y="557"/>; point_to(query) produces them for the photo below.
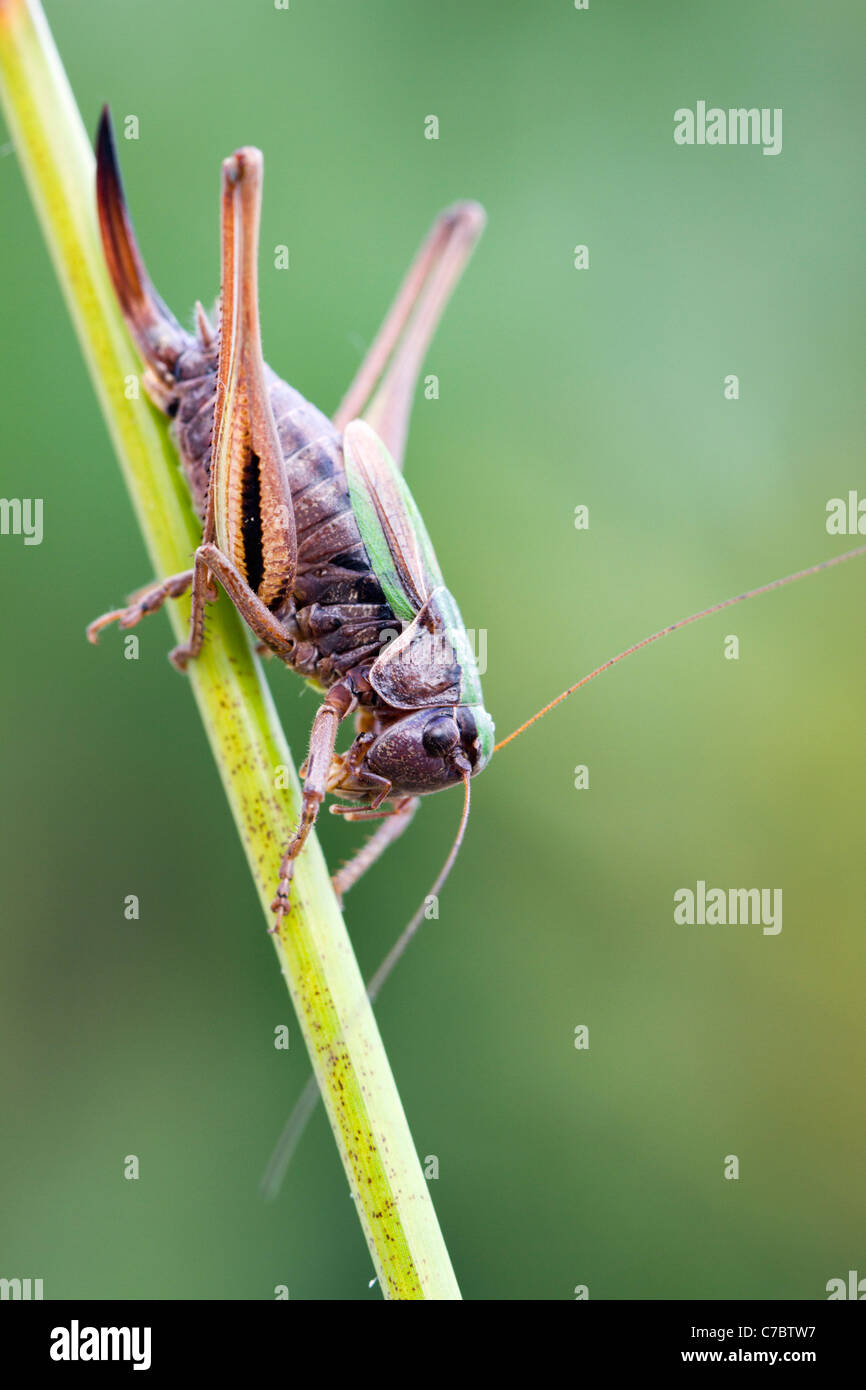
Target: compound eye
<point x="440" y="736"/>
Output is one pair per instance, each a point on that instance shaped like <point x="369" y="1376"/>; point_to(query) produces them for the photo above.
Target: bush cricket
<point x="308" y="525"/>
<point x="310" y="530"/>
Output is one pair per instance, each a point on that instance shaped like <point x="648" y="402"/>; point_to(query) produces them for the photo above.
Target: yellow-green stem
<point x="315" y="953"/>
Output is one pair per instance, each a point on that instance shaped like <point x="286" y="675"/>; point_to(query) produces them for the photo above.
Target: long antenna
<point x="306" y="1103"/>
<point x="674" y="627"/>
<point x="376" y="981"/>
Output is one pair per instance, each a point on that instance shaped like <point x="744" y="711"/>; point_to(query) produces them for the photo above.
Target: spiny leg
<point x="247" y="456"/>
<point x="246" y="445"/>
<point x="338" y="702"/>
<point x="203" y="592"/>
<point x="210" y="561"/>
<point x="391" y="828"/>
<point x="401" y="343"/>
<point x="145" y="601"/>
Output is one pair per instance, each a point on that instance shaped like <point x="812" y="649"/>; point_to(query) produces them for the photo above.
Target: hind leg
<point x="393" y="824"/>
<point x="210" y="563"/>
<point x="394" y="360"/>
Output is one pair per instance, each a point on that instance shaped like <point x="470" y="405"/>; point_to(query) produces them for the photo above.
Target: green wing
<point x="431" y="661"/>
<point x="393" y="532"/>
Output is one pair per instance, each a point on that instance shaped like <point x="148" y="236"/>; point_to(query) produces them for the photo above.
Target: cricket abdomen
<point x="192" y="409"/>
<point x="338" y="609"/>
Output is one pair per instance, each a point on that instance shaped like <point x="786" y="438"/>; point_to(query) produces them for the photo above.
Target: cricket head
<point x="431" y="749"/>
<point x="419" y="752"/>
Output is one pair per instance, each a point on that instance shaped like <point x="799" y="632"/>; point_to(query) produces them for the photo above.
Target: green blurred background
<point x="557" y="387"/>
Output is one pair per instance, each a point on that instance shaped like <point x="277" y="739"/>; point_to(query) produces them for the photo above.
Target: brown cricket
<point x="363" y="617"/>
